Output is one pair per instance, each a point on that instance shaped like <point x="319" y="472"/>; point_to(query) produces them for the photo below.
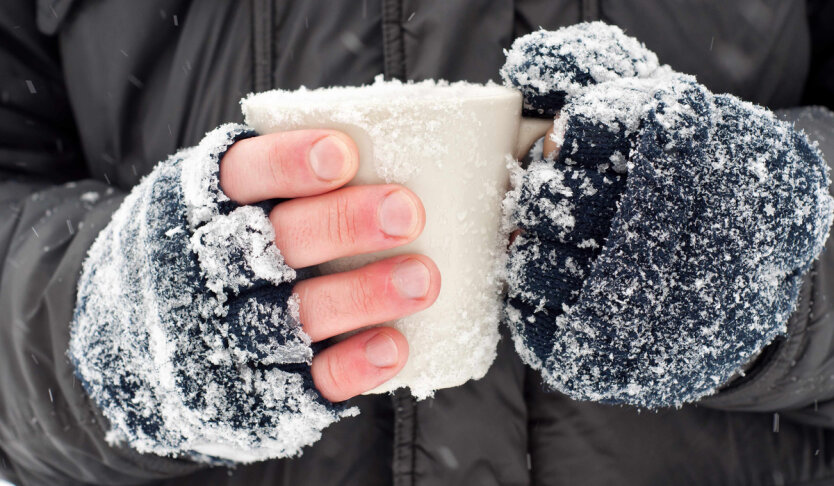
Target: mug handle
<point x="529" y="130"/>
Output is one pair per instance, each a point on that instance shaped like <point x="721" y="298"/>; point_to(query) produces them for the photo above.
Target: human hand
<point x="323" y="221"/>
<point x="665" y="237"/>
<point x="197" y="292"/>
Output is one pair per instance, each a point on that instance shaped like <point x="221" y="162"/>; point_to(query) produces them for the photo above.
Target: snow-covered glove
<point x="186" y="333"/>
<point x="665" y="245"/>
<point x="549" y="67"/>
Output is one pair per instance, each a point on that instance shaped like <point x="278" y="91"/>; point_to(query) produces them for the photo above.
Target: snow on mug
<point x="448" y="143"/>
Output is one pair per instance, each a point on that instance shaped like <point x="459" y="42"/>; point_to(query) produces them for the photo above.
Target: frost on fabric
<point x="661" y="278"/>
<point x="244" y="235"/>
<point x="550" y="67"/>
<point x="185" y="332"/>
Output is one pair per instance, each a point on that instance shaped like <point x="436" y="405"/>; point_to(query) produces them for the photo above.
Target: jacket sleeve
<point x="794" y="375"/>
<point x="819" y="86"/>
<point x="51" y="210"/>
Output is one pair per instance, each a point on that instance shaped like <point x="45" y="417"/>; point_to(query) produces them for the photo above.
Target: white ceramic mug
<point x="449" y="144"/>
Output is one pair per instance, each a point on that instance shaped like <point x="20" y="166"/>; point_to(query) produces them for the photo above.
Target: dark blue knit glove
<point x="185" y="333"/>
<point x="665" y="245"/>
<point x="550" y="67"/>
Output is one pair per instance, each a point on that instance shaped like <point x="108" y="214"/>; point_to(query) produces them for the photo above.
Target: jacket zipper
<point x="393" y="46"/>
<point x="405" y="407"/>
<point x="262" y="53"/>
<point x="405" y="428"/>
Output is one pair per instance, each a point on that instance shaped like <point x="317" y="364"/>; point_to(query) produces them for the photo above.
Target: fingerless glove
<point x="186" y="333"/>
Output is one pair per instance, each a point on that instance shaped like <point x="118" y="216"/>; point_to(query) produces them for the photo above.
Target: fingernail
<point x="412" y="279"/>
<point x="397" y="214"/>
<point x="381" y="351"/>
<point x="328" y="158"/>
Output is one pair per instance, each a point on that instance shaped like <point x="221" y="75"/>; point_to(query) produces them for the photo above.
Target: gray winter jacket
<point x="94" y="93"/>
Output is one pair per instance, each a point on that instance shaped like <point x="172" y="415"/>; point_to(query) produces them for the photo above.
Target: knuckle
<point x="276" y="166"/>
<point x="362" y="297"/>
<point x="341" y="222"/>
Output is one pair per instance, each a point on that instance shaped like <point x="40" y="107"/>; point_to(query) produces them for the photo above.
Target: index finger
<point x="287" y="164"/>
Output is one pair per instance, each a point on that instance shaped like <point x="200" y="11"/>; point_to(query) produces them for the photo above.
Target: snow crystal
<point x="90" y="197"/>
<point x="589" y="243"/>
<point x="251" y="234"/>
<point x="200" y="179"/>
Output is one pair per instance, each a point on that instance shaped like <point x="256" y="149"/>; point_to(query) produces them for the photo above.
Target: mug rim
<point x="429" y="92"/>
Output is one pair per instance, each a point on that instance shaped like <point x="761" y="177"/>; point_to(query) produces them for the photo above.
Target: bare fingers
<point x="324" y="222"/>
<point x="287" y="164"/>
<point x="359" y="363"/>
<point x="378" y="292"/>
<point x="346" y="222"/>
<point x="343" y="302"/>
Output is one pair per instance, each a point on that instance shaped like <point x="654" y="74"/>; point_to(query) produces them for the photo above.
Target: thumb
<point x="550" y="148"/>
<point x="597" y="129"/>
<point x="551" y="68"/>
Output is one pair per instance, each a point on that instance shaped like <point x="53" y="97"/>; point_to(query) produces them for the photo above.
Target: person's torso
<point x="146" y="78"/>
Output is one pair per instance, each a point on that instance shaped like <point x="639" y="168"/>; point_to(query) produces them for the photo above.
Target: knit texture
<point x="185" y="332"/>
<point x="665" y="245"/>
<point x="549" y="67"/>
